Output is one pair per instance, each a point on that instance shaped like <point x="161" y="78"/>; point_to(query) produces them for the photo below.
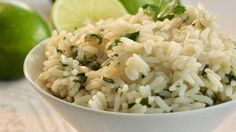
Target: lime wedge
<point x="70" y="14"/>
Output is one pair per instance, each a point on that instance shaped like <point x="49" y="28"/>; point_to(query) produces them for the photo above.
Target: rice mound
<point x="134" y="64"/>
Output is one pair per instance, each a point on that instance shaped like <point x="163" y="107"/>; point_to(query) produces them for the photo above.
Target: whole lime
<point x="20" y="29"/>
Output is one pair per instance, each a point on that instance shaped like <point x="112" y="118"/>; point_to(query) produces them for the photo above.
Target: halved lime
<point x="70" y="14"/>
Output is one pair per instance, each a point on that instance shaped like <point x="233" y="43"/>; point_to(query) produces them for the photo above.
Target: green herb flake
<point x="178" y="85"/>
<point x="131" y="105"/>
<point x="96" y="66"/>
<point x="97" y="37"/>
<point x="113" y="44"/>
<point x="81" y="78"/>
<point x="144" y="101"/>
<point x="73" y="47"/>
<point x="108" y="80"/>
<point x="172" y="9"/>
<point x="231" y="76"/>
<point x="165" y="9"/>
<point x="204" y="69"/>
<point x="63" y="64"/>
<point x="59" y="50"/>
<point x="74" y="54"/>
<point x="87" y="60"/>
<point x="151" y="10"/>
<point x="133" y="36"/>
<point x="116" y="55"/>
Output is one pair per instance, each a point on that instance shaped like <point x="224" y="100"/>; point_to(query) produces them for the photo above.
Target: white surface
<point x="22" y="110"/>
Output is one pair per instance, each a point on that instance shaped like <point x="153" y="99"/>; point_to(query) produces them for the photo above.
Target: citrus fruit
<point x="71" y="14"/>
<point x="132" y="6"/>
<point x="20" y="30"/>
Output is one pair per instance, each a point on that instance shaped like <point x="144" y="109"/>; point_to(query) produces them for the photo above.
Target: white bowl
<point x="88" y="120"/>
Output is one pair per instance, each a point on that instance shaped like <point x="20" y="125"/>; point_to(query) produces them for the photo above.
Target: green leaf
<point x="131" y="105"/>
<point x="144" y="101"/>
<point x="113" y="44"/>
<point x="164" y="9"/>
<point x="95" y="66"/>
<point x="59" y="50"/>
<point x="108" y="80"/>
<point x="132" y="6"/>
<point x="151" y="10"/>
<point x="179" y="10"/>
<point x="172" y="9"/>
<point x="203" y="71"/>
<point x="231" y="76"/>
<point x="133" y="36"/>
<point x="87" y="60"/>
<point x="81" y="78"/>
<point x="74" y="54"/>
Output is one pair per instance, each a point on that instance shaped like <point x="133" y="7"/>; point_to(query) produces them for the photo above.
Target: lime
<point x="69" y="14"/>
<point x="20" y="30"/>
<point x="133" y="5"/>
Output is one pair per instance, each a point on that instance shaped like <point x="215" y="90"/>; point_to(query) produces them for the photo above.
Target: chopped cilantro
<point x="87" y="60"/>
<point x="63" y="64"/>
<point x="166" y="9"/>
<point x="116" y="55"/>
<point x="131" y="105"/>
<point x="231" y="76"/>
<point x="59" y="50"/>
<point x="144" y="101"/>
<point x="74" y="50"/>
<point x="205" y="67"/>
<point x="108" y="80"/>
<point x="172" y="9"/>
<point x="151" y="10"/>
<point x="81" y="78"/>
<point x="90" y="62"/>
<point x="96" y="66"/>
<point x="133" y="36"/>
<point x="74" y="54"/>
<point x="178" y="85"/>
<point x="113" y="44"/>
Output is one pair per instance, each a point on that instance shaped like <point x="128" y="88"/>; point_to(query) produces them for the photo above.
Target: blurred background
<point x="21" y="109"/>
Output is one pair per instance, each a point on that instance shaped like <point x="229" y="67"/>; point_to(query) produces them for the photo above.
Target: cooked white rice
<point x="175" y="65"/>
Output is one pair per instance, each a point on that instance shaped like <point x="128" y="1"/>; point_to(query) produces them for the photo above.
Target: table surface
<point x="23" y="110"/>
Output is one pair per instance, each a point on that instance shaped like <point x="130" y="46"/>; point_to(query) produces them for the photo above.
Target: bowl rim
<point x="45" y="93"/>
